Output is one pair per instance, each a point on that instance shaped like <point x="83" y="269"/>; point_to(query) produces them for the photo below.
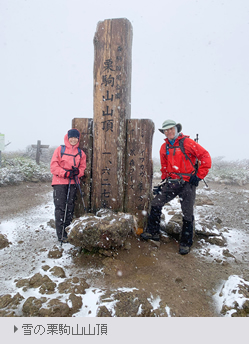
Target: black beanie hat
<point x="73" y="133"/>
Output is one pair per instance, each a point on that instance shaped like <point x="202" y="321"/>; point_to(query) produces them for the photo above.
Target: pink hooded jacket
<point x="59" y="165"/>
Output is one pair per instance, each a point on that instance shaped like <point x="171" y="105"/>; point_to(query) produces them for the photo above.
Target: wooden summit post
<point x="119" y="168"/>
<point x="85" y="127"/>
<point x="112" y="97"/>
<point x="139" y="168"/>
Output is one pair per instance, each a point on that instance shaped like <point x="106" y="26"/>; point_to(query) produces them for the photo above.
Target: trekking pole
<point x="65" y="214"/>
<point x="196" y="140"/>
<point x="77" y="182"/>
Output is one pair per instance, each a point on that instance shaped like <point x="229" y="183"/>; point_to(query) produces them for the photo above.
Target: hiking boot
<point x="149" y="236"/>
<point x="184" y="249"/>
<point x="186" y="240"/>
<point x="64" y="240"/>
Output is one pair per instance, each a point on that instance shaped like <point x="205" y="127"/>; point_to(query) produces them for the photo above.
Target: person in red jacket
<point x="68" y="164"/>
<point x="183" y="164"/>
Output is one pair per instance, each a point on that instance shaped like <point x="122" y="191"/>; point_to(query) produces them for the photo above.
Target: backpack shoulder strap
<point x="181" y="141"/>
<point x="63" y="148"/>
<point x="181" y="145"/>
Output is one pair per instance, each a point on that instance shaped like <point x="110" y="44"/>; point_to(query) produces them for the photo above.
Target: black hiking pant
<point x="60" y="200"/>
<point x="169" y="191"/>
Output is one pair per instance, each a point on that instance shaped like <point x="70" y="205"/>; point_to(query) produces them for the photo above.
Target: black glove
<point x="75" y="171"/>
<point x="194" y="180"/>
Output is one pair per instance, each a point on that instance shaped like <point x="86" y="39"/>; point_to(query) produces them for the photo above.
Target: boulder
<point x="76" y="302"/>
<point x="47" y="286"/>
<point x="55" y="308"/>
<point x="73" y="285"/>
<point x="4" y="242"/>
<point x="58" y="272"/>
<point x="9" y="301"/>
<point x="105" y="230"/>
<point x="174" y="226"/>
<point x="216" y="240"/>
<point x="31" y="307"/>
<point x="56" y="252"/>
<point x="203" y="200"/>
<point x="208" y="227"/>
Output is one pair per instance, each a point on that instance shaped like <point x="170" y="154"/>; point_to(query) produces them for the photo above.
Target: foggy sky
<point x="189" y="63"/>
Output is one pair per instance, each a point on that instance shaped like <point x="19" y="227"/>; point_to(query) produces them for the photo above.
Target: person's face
<point x="170" y="133"/>
<point x="73" y="141"/>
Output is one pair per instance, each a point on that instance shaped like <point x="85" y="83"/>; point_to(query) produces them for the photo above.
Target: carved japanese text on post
<point x="139" y="167"/>
<point x="112" y="83"/>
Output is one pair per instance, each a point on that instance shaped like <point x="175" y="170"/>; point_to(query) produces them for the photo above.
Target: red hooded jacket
<point x="175" y="165"/>
<point x="59" y="165"/>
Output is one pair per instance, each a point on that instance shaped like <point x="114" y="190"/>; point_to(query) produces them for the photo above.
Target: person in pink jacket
<point x="68" y="164"/>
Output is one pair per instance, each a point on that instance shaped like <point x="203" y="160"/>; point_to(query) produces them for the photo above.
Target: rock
<point x="178" y="280"/>
<point x="22" y="283"/>
<point x="154" y="243"/>
<point x="130" y="304"/>
<point x="246" y="306"/>
<point x="45" y="267"/>
<point x="56" y="252"/>
<point x="55" y="308"/>
<point x="36" y="281"/>
<point x="31" y="307"/>
<point x="58" y="272"/>
<point x="203" y="200"/>
<point x="4" y="242"/>
<point x="51" y="223"/>
<point x="216" y="240"/>
<point x="103" y="312"/>
<point x="208" y="228"/>
<point x="76" y="302"/>
<point x="226" y="253"/>
<point x="106" y="230"/>
<point x="127" y="245"/>
<point x="73" y="287"/>
<point x="7" y="313"/>
<point x="5" y="300"/>
<point x="47" y="286"/>
<point x="9" y="301"/>
<point x="164" y="238"/>
<point x="239" y="310"/>
<point x="174" y="226"/>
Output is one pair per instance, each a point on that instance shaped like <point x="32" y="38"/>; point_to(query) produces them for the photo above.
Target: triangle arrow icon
<point x="15" y="329"/>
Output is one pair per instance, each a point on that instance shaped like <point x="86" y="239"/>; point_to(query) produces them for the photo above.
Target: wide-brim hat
<point x="170" y="124"/>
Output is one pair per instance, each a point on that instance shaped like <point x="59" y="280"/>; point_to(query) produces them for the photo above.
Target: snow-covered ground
<point x="32" y="237"/>
<point x="228" y="294"/>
